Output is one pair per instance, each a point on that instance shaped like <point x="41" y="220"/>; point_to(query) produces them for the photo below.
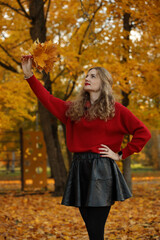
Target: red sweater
<point x="86" y="136"/>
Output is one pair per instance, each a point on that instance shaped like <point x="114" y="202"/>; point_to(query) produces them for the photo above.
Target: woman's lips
<point x="86" y="84"/>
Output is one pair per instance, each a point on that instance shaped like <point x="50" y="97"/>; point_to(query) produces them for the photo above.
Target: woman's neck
<point x="94" y="96"/>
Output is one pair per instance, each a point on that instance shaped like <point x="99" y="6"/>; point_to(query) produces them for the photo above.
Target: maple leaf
<point x="44" y="55"/>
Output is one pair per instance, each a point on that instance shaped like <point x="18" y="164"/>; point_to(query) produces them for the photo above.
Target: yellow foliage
<point x="44" y="55"/>
<point x="16" y="101"/>
<point x="87" y="35"/>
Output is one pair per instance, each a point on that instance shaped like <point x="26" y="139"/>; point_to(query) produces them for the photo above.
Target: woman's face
<point x="92" y="81"/>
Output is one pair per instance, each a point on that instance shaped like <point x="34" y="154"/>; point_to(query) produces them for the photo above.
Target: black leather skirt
<point x="94" y="181"/>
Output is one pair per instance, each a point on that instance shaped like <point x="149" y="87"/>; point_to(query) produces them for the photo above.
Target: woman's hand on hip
<point x="107" y="152"/>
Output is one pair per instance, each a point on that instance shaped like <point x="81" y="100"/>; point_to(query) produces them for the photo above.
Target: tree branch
<point x="83" y="9"/>
<point x="19" y="44"/>
<point x="67" y="88"/>
<point x="49" y="3"/>
<point x="14" y="9"/>
<point x="23" y="9"/>
<point x="70" y="92"/>
<point x="13" y="59"/>
<point x="89" y="24"/>
<point x="58" y="75"/>
<point x="8" y="67"/>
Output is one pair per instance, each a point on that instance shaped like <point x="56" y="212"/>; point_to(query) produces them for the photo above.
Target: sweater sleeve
<point x="55" y="105"/>
<point x="133" y="126"/>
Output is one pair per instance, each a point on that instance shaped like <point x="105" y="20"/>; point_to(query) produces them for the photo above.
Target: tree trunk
<point x="125" y="102"/>
<point x="48" y="121"/>
<point x="69" y="154"/>
<point x="127" y="168"/>
<point x="155" y="150"/>
<point x="49" y="127"/>
<point x="158" y="158"/>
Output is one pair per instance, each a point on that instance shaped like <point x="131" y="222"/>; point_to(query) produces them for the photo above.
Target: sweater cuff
<point x="126" y="153"/>
<point x="30" y="78"/>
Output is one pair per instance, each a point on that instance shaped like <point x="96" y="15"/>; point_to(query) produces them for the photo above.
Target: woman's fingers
<point x="104" y="146"/>
<point x="104" y="153"/>
<point x="26" y="59"/>
<point x="104" y="149"/>
<point x="26" y="62"/>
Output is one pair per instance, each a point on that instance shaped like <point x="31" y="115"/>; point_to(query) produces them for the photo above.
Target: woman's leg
<point x="95" y="219"/>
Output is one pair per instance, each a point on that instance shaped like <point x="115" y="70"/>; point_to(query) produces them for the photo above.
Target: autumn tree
<point x="88" y="33"/>
<point x="137" y="16"/>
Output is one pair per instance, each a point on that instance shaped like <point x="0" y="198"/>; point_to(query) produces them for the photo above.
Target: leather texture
<point x="94" y="181"/>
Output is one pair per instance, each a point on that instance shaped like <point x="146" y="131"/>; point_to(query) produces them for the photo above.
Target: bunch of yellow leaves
<point x="44" y="55"/>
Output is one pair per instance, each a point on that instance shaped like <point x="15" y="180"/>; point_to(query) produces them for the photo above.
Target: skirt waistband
<point x="84" y="155"/>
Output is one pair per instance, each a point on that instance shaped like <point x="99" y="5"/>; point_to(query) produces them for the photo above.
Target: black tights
<point x="95" y="218"/>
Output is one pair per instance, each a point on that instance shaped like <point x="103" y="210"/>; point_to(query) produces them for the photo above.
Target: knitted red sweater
<point x="84" y="135"/>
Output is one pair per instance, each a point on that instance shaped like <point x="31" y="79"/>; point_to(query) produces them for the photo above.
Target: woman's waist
<point x="81" y="148"/>
<point x="88" y="155"/>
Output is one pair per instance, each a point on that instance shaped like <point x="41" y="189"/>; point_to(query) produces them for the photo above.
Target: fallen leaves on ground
<point x="43" y="217"/>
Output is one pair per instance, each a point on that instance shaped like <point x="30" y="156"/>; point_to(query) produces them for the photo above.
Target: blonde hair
<point x="103" y="107"/>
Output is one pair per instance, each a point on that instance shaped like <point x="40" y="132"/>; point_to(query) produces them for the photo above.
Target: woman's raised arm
<point x="55" y="105"/>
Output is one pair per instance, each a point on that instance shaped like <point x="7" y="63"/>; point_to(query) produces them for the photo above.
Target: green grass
<point x="137" y="170"/>
<point x="140" y="167"/>
<point x="16" y="175"/>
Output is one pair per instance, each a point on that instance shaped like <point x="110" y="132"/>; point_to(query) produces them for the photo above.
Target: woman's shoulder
<point x="68" y="103"/>
<point x="120" y="106"/>
<point x="122" y="110"/>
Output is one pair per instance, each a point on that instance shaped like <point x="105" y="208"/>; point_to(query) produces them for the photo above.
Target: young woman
<point x="95" y="127"/>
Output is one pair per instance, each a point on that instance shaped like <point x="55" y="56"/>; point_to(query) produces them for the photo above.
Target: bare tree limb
<point x="13" y="59"/>
<point x="8" y="67"/>
<point x="83" y="10"/>
<point x="16" y="30"/>
<point x="67" y="88"/>
<point x="19" y="44"/>
<point x="23" y="9"/>
<point x="70" y="92"/>
<point x="89" y="24"/>
<point x="49" y="3"/>
<point x="14" y="9"/>
<point x="58" y="75"/>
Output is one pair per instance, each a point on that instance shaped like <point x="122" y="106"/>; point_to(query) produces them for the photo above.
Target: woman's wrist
<point x="28" y="75"/>
<point x="120" y="155"/>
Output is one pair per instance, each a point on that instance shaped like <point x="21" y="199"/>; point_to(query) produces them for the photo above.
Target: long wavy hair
<point x="103" y="107"/>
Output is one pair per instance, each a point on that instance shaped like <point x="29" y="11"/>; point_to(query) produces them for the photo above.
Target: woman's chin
<point x="87" y="88"/>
